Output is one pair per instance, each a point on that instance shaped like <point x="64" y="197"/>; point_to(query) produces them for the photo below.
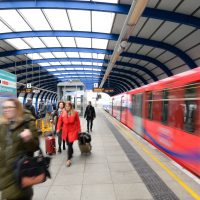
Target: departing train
<point x="167" y="114"/>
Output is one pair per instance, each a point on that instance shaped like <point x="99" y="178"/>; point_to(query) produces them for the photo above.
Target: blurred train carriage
<point x="167" y="114"/>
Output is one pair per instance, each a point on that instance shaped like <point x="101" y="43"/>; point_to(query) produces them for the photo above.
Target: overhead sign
<point x="28" y="85"/>
<point x="27" y="90"/>
<point x="106" y="90"/>
<point x="8" y="86"/>
<point x="95" y="85"/>
<point x="36" y="91"/>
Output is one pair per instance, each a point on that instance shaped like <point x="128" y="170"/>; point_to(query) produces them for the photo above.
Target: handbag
<point x="29" y="170"/>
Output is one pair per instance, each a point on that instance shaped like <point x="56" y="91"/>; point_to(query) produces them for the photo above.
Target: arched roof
<point x="45" y="42"/>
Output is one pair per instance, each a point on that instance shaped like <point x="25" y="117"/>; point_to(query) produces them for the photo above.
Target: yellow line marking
<point x="172" y="174"/>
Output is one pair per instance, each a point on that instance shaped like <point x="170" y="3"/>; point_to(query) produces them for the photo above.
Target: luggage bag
<point x="84" y="140"/>
<point x="50" y="145"/>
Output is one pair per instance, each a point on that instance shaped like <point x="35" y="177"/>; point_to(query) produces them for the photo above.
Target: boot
<point x="59" y="150"/>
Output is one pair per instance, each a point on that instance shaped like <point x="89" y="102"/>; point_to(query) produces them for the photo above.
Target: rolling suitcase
<point x="50" y="145"/>
<point x="84" y="140"/>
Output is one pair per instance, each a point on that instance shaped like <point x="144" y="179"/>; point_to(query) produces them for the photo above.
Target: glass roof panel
<point x="44" y="64"/>
<point x="34" y="42"/>
<point x="72" y="54"/>
<point x="35" y="18"/>
<point x="58" y="19"/>
<point x="51" y="41"/>
<point x="60" y="54"/>
<point x="101" y="56"/>
<point x="13" y="19"/>
<point x="107" y="1"/>
<point x="94" y="55"/>
<point x="102" y="21"/>
<point x="18" y="43"/>
<point x="60" y="69"/>
<point x="99" y="43"/>
<point x="65" y="63"/>
<point x="34" y="56"/>
<point x="4" y="28"/>
<point x="85" y="55"/>
<point x="83" y="42"/>
<point x="80" y="20"/>
<point x="69" y="68"/>
<point x="47" y="55"/>
<point x="67" y="41"/>
<point x="96" y="69"/>
<point x="87" y="63"/>
<point x="87" y="68"/>
<point x="51" y="70"/>
<point x="76" y="63"/>
<point x="54" y="63"/>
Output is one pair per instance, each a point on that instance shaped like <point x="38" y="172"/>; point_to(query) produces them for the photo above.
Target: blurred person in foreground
<point x="69" y="122"/>
<point x="18" y="136"/>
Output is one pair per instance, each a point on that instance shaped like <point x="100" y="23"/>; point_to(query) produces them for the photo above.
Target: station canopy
<point x="46" y="42"/>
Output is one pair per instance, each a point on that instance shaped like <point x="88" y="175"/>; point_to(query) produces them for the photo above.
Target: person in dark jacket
<point x="89" y="116"/>
<point x="18" y="136"/>
<point x="54" y="119"/>
<point x="29" y="106"/>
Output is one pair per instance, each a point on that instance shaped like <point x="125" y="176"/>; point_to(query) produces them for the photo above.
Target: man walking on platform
<point x="89" y="115"/>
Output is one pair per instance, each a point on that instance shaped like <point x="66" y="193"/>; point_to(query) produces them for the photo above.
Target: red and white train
<point x="167" y="114"/>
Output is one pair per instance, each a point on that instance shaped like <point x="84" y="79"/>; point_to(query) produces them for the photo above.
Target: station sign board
<point x="26" y="90"/>
<point x="106" y="90"/>
<point x="8" y="85"/>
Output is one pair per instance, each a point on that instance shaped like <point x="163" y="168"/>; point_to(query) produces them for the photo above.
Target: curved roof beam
<point x="107" y="36"/>
<point x="49" y="78"/>
<point x="78" y="71"/>
<point x="104" y="7"/>
<point x="142" y="57"/>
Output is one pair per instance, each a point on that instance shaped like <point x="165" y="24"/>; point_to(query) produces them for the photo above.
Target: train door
<point x="123" y="110"/>
<point x="137" y="113"/>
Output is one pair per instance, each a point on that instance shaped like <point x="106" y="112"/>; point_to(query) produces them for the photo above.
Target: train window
<point x="190" y="108"/>
<point x="150" y="105"/>
<point x="137" y="105"/>
<point x="165" y="107"/>
<point x="157" y="106"/>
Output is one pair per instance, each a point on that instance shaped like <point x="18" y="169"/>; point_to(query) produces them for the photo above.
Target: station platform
<point x="122" y="166"/>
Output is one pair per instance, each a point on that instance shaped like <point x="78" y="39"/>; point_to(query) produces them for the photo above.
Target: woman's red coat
<point x="70" y="126"/>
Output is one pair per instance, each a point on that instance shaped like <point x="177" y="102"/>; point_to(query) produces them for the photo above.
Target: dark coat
<point x="10" y="151"/>
<point x="30" y="107"/>
<point x="89" y="113"/>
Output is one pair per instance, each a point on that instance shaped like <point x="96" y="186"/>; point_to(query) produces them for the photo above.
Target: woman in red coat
<point x="69" y="122"/>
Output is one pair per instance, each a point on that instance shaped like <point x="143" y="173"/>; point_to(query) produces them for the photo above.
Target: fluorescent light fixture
<point x="58" y="19"/>
<point x="102" y="21"/>
<point x="17" y="43"/>
<point x="14" y="20"/>
<point x="35" y="18"/>
<point x="80" y="20"/>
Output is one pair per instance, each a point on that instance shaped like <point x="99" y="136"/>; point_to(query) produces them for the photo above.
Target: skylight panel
<point x="44" y="64"/>
<point x="66" y="63"/>
<point x="34" y="56"/>
<point x="102" y="21"/>
<point x="80" y="20"/>
<point x="76" y="63"/>
<point x="69" y="68"/>
<point x="95" y="64"/>
<point x="100" y="64"/>
<point x="106" y="1"/>
<point x="60" y="69"/>
<point x="47" y="55"/>
<point x="60" y="76"/>
<point x="51" y="70"/>
<point x="13" y="19"/>
<point x="4" y="28"/>
<point x="85" y="55"/>
<point x="72" y="55"/>
<point x="97" y="70"/>
<point x="60" y="54"/>
<point x="54" y="63"/>
<point x="83" y="42"/>
<point x="35" y="18"/>
<point x="34" y="42"/>
<point x="87" y="69"/>
<point x="95" y="55"/>
<point x="99" y="43"/>
<point x="79" y="68"/>
<point x="87" y="63"/>
<point x="57" y="74"/>
<point x="58" y="19"/>
<point x="67" y="41"/>
<point x="51" y="41"/>
<point x="18" y="43"/>
<point x="101" y="56"/>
